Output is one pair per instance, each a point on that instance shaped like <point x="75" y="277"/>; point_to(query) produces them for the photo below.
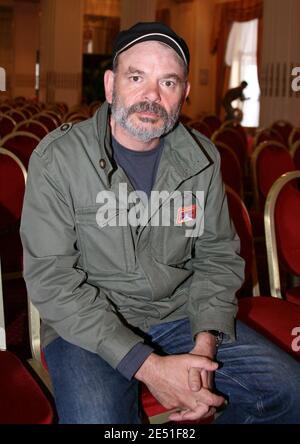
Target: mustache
<point x="151" y="107"/>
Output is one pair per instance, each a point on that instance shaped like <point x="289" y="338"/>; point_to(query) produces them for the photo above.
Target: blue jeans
<point x="260" y="381"/>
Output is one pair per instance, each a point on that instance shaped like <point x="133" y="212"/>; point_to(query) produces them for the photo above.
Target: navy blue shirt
<point x="141" y="169"/>
<point x="140" y="166"/>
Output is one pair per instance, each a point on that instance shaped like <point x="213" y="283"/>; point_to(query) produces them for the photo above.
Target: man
<point x="143" y="301"/>
<point x="231" y="95"/>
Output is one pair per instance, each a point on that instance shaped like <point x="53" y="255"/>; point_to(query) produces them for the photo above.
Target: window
<point x="241" y="56"/>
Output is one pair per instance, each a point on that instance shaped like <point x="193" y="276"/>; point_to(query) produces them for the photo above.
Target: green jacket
<point x="92" y="283"/>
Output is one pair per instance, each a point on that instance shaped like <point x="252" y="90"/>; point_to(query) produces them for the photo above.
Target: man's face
<point x="147" y="90"/>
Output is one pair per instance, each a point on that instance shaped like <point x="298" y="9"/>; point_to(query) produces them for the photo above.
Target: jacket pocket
<point x="106" y="247"/>
<point x="170" y="246"/>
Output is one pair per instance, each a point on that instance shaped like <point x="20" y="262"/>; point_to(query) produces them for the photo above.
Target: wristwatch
<point x="217" y="334"/>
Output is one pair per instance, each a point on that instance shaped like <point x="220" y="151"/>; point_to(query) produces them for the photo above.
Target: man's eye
<point x="135" y="78"/>
<point x="169" y="83"/>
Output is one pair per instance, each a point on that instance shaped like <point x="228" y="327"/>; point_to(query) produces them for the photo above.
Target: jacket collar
<point x="183" y="152"/>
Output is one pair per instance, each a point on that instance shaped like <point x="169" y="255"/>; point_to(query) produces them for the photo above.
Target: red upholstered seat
<point x="52" y="113"/>
<point x="28" y="113"/>
<point x="230" y="168"/>
<point x="239" y="128"/>
<point x="269" y="161"/>
<point x="282" y="216"/>
<point x="234" y="140"/>
<point x="34" y="127"/>
<point x="241" y="220"/>
<point x="202" y="127"/>
<point x="21" y="399"/>
<point x="152" y="408"/>
<point x="7" y="125"/>
<point x="17" y="115"/>
<point x="274" y="318"/>
<point x="295" y="151"/>
<point x="287" y="217"/>
<point x="212" y="121"/>
<point x="294" y="136"/>
<point x="284" y="128"/>
<point x="48" y="120"/>
<point x="4" y="107"/>
<point x="267" y="134"/>
<point x="21" y="144"/>
<point x="150" y="405"/>
<point x="12" y="188"/>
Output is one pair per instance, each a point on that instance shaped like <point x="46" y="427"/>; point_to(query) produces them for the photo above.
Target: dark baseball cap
<point x="148" y="31"/>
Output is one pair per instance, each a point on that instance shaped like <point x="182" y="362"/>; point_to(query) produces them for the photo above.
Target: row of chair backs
<point x="32" y="126"/>
<point x="13" y="121"/>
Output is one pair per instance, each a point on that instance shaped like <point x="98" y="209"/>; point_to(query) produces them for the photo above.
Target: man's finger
<point x="211" y="399"/>
<point x="202" y="362"/>
<point x="200" y="412"/>
<point x="194" y="379"/>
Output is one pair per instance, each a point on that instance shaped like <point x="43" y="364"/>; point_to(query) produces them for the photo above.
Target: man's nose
<point x="152" y="93"/>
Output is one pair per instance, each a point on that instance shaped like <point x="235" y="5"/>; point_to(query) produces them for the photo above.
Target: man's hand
<point x="200" y="379"/>
<point x="169" y="380"/>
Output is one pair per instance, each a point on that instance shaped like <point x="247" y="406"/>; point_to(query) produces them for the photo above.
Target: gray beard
<point x="122" y="114"/>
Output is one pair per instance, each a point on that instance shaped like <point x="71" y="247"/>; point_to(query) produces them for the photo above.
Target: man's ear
<point x="187" y="90"/>
<point x="108" y="85"/>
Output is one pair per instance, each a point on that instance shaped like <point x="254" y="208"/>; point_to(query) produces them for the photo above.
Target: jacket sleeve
<point x="218" y="268"/>
<point x="78" y="311"/>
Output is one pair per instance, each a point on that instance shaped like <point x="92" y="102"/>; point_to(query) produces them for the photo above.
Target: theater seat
<point x="274" y="318"/>
<point x="268" y="162"/>
<point x="282" y="214"/>
<point x="21" y="144"/>
<point x="22" y="400"/>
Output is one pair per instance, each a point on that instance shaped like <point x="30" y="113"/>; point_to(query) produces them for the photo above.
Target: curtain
<point x="225" y="15"/>
<point x="241" y="56"/>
